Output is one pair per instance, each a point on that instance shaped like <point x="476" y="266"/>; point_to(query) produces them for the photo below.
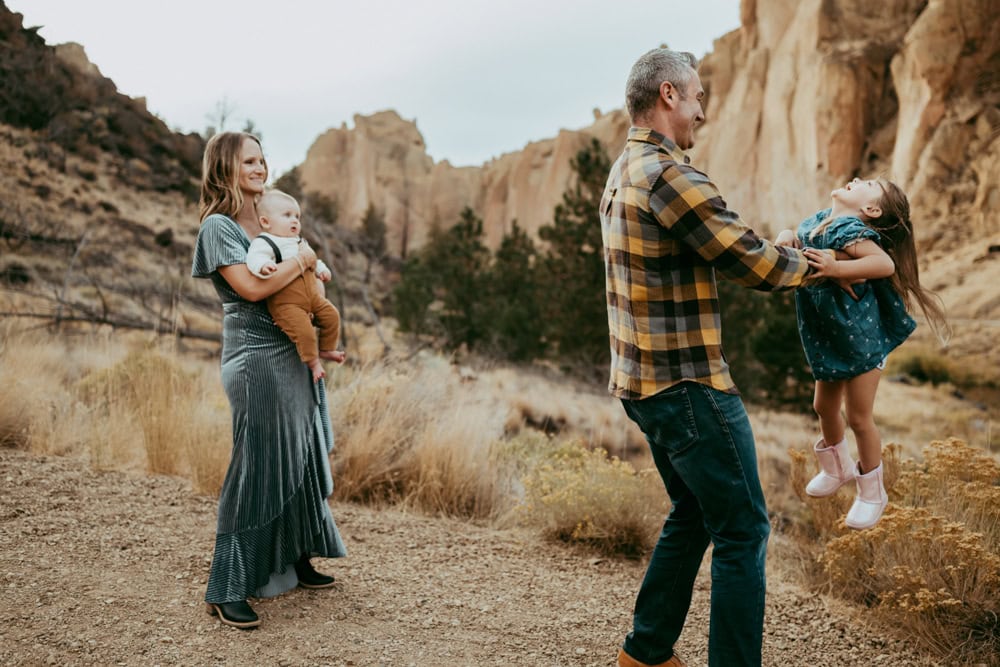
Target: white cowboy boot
<point x="836" y="468"/>
<point x="870" y="501"/>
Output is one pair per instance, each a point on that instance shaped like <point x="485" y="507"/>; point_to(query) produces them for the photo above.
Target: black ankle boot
<point x="309" y="577"/>
<point x="237" y="614"/>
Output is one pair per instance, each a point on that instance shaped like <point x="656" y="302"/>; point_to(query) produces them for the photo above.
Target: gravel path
<point x="109" y="569"/>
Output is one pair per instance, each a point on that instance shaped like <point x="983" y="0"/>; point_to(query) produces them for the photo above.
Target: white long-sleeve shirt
<point x="260" y="253"/>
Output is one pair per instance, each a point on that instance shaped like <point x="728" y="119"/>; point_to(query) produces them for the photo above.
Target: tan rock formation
<point x="75" y="55"/>
<point x="383" y="162"/>
<point x="805" y="95"/>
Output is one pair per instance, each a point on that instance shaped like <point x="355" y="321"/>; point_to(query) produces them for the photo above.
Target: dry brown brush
<point x="931" y="567"/>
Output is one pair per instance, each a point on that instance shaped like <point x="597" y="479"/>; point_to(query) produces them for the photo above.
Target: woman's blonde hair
<point x="220" y="174"/>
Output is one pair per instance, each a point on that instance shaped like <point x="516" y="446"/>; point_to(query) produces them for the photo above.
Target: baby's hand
<point x="268" y="269"/>
<point x="324" y="275"/>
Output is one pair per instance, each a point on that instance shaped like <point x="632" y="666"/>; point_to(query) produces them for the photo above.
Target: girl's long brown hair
<point x="220" y="174"/>
<point x="896" y="232"/>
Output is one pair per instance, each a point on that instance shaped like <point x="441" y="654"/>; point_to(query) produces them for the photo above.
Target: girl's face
<point x="253" y="170"/>
<point x="862" y="196"/>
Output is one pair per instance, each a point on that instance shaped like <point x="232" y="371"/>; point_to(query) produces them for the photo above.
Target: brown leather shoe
<point x="625" y="660"/>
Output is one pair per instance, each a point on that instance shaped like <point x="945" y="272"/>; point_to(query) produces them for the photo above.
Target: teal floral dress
<point x="844" y="338"/>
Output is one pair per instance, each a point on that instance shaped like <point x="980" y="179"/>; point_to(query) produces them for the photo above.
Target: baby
<point x="292" y="305"/>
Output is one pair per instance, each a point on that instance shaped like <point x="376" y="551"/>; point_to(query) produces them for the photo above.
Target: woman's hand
<point x="307" y="255"/>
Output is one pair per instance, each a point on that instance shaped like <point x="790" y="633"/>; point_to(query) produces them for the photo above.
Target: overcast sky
<point x="479" y="77"/>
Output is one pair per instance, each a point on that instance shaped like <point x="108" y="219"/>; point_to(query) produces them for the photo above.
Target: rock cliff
<point x="807" y="94"/>
<point x="382" y="161"/>
<point x="801" y="97"/>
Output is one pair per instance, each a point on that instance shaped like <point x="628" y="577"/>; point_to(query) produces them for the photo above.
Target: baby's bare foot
<point x="333" y="355"/>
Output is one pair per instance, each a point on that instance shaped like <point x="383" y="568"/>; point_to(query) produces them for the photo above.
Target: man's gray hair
<point x="649" y="71"/>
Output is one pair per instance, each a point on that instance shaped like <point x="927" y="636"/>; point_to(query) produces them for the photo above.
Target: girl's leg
<point x="826" y="402"/>
<point x="860" y="403"/>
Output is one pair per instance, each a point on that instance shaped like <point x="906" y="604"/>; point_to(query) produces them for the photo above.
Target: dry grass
<point x="414" y="435"/>
<point x="583" y="496"/>
<point x="87" y="395"/>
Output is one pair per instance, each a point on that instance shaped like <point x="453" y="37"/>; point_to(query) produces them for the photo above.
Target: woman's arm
<point x="868" y="262"/>
<point x="252" y="288"/>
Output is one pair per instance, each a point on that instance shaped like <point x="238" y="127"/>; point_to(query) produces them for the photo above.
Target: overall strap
<point x="274" y="246"/>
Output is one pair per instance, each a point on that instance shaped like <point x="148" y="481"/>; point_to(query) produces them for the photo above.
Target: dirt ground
<point x="108" y="568"/>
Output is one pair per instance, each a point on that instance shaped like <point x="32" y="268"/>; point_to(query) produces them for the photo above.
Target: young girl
<point x="846" y="340"/>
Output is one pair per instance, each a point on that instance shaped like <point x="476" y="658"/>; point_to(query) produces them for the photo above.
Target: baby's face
<point x="281" y="217"/>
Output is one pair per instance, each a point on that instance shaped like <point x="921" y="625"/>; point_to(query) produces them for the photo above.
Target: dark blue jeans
<point x="703" y="447"/>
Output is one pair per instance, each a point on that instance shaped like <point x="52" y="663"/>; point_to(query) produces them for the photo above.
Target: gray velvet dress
<point x="272" y="508"/>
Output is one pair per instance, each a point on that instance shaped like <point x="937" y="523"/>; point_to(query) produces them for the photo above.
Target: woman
<point x="273" y="514"/>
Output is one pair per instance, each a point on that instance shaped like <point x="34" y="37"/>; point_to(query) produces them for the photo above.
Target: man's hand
<point x="826" y="265"/>
<point x="788" y="238"/>
<point x="823" y="263"/>
<point x="845" y="284"/>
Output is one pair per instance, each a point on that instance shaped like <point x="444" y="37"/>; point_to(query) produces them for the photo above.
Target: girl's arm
<point x="868" y="262"/>
<point x="252" y="288"/>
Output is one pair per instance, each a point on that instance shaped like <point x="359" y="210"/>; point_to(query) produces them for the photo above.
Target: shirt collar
<point x="650" y="136"/>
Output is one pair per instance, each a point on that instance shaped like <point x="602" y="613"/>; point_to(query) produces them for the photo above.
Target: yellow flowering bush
<point x="931" y="566"/>
<point x="579" y="495"/>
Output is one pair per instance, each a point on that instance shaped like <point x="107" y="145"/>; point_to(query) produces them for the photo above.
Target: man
<point x="667" y="234"/>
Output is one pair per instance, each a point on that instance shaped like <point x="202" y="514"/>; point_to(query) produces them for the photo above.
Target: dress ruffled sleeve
<point x="221" y="242"/>
<point x="849" y="231"/>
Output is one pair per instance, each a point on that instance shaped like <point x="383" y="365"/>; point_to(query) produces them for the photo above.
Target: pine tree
<point x="443" y="286"/>
<point x="513" y="316"/>
<point x="572" y="269"/>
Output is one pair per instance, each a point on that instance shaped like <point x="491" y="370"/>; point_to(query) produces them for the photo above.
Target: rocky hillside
<point x="806" y="95"/>
<point x="64" y="99"/>
<point x="98" y="214"/>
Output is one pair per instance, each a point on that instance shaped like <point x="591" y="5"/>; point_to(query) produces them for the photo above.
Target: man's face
<point x="687" y="113"/>
<point x="280" y="216"/>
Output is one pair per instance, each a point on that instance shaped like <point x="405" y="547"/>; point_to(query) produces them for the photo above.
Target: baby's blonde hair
<point x="269" y="195"/>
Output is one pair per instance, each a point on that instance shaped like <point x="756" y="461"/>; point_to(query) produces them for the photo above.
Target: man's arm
<point x="687" y="203"/>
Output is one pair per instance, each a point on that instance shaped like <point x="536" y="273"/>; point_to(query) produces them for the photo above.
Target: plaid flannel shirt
<point x="667" y="232"/>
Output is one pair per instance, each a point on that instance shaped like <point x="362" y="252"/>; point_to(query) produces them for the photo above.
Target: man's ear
<point x="669" y="94"/>
<point x="872" y="211"/>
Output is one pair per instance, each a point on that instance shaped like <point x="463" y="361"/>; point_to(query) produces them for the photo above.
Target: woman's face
<point x="253" y="171"/>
